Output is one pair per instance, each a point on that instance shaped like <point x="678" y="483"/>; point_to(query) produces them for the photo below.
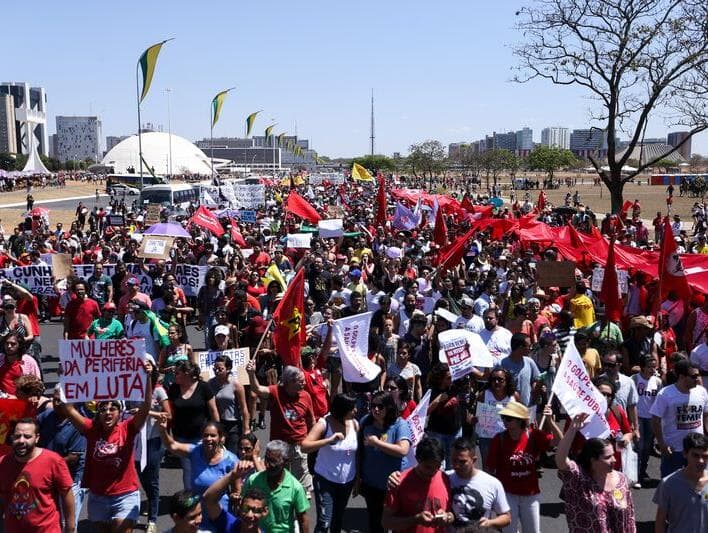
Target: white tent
<point x="625" y="168"/>
<point x="34" y="164"/>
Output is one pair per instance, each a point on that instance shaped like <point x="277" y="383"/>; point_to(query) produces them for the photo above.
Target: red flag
<point x="451" y="255"/>
<point x="626" y="206"/>
<point x="610" y="294"/>
<point x="467" y="205"/>
<point x="204" y="218"/>
<point x="381" y="201"/>
<point x="289" y="319"/>
<point x="440" y="231"/>
<point x="672" y="276"/>
<point x="541" y="204"/>
<point x="236" y="234"/>
<point x="297" y="205"/>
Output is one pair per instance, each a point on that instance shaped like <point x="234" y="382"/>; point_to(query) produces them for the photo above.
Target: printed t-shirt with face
<point x="28" y="491"/>
<point x="376" y="465"/>
<point x="110" y="469"/>
<point x="476" y="497"/>
<point x="291" y="418"/>
<point x="680" y="413"/>
<point x="415" y="494"/>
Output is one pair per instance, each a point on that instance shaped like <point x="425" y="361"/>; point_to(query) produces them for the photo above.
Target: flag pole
<point x="211" y="141"/>
<point x="260" y="342"/>
<point x="543" y="418"/>
<point x="140" y="140"/>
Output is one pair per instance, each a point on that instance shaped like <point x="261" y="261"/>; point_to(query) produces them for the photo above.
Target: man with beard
<point x="252" y="508"/>
<point x="32" y="480"/>
<point x="286" y="496"/>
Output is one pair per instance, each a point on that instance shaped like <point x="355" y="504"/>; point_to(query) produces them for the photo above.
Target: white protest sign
<point x="332" y="227"/>
<point x="239" y="357"/>
<point x="463" y="350"/>
<point x="489" y="423"/>
<point x="227" y="191"/>
<point x="37" y="278"/>
<point x="249" y="196"/>
<point x="598" y="274"/>
<point x="102" y="370"/>
<point x="299" y="240"/>
<point x="352" y="337"/>
<point x="576" y="392"/>
<point x="416" y="423"/>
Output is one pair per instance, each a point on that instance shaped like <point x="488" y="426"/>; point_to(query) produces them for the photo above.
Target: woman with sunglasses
<point x="398" y="387"/>
<point x="334" y="439"/>
<point x="500" y="390"/>
<point x="14" y="362"/>
<point x="384" y="441"/>
<point x="513" y="458"/>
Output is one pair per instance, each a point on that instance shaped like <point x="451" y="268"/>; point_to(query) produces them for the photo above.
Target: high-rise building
<point x="524" y="142"/>
<point x="113" y="140"/>
<point x="30" y="116"/>
<point x="556" y="137"/>
<point x="457" y="150"/>
<point x="674" y="138"/>
<point x="588" y="142"/>
<point x="8" y="138"/>
<point x="505" y="141"/>
<point x="79" y="138"/>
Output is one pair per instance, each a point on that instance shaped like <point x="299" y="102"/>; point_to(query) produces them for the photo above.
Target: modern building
<point x="524" y="142"/>
<point x="240" y="150"/>
<point x="30" y="116"/>
<point x="588" y="142"/>
<point x="53" y="145"/>
<point x="8" y="138"/>
<point x="675" y="138"/>
<point x="79" y="138"/>
<point x="556" y="137"/>
<point x="505" y="141"/>
<point x="114" y="140"/>
<point x="457" y="150"/>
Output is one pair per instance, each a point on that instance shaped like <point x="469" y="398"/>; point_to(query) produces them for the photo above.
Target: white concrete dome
<point x="186" y="158"/>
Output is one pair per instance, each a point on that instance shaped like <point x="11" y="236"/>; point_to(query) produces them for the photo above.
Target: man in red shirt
<point x="259" y="258"/>
<point x="291" y="416"/>
<point x="315" y="383"/>
<point x="421" y="502"/>
<point x="32" y="481"/>
<point x="80" y="312"/>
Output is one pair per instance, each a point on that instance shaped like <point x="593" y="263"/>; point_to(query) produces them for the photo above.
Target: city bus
<point x="133" y="180"/>
<point x="170" y="194"/>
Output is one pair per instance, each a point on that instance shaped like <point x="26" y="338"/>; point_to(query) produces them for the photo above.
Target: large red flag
<point x="451" y="255"/>
<point x="672" y="276"/>
<point x="204" y="218"/>
<point x="236" y="234"/>
<point x="467" y="205"/>
<point x="297" y="205"/>
<point x="289" y="318"/>
<point x="440" y="231"/>
<point x="381" y="204"/>
<point x="610" y="295"/>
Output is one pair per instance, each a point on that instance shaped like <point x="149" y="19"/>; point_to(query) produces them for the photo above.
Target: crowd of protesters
<point x="331" y="439"/>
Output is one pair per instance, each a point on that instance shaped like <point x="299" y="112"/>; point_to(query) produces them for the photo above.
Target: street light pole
<point x="169" y="131"/>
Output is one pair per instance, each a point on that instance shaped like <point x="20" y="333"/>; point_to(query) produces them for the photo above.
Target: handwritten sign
<point x="239" y="357"/>
<point x="299" y="240"/>
<point x="463" y="350"/>
<point x="489" y="423"/>
<point x="247" y="215"/>
<point x="155" y="247"/>
<point x="152" y="214"/>
<point x="102" y="370"/>
<point x="598" y="274"/>
<point x="115" y="220"/>
<point x="249" y="196"/>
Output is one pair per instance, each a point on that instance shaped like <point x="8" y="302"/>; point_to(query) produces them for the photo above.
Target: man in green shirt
<point x="287" y="499"/>
<point x="107" y="326"/>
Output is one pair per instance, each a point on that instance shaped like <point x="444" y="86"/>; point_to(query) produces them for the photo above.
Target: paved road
<point x="552" y="510"/>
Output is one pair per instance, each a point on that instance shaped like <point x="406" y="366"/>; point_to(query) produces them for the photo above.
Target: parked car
<point x="121" y="189"/>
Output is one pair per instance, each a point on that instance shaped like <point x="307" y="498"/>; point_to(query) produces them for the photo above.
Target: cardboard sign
<point x="555" y="273"/>
<point x="246" y="215"/>
<point x="61" y="265"/>
<point x="299" y="240"/>
<point x="239" y="357"/>
<point x="249" y="196"/>
<point x="37" y="278"/>
<point x="333" y="227"/>
<point x="155" y="247"/>
<point x="463" y="350"/>
<point x="152" y="214"/>
<point x="102" y="370"/>
<point x="115" y="220"/>
<point x="598" y="274"/>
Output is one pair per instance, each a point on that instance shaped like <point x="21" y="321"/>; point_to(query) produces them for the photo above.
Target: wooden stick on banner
<point x="260" y="342"/>
<point x="543" y="418"/>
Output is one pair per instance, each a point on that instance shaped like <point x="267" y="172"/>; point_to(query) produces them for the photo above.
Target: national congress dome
<point x="186" y="158"/>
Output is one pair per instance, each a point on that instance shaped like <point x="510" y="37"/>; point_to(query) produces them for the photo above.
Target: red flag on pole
<point x="297" y="205"/>
<point x="204" y="218"/>
<point x="381" y="204"/>
<point x="289" y="319"/>
<point x="451" y="255"/>
<point x="672" y="276"/>
<point x="236" y="234"/>
<point x="440" y="231"/>
<point x="610" y="294"/>
<point x="467" y="205"/>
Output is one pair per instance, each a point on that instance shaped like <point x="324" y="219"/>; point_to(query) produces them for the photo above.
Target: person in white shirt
<point x="678" y="410"/>
<point x="469" y="320"/>
<point x="497" y="338"/>
<point x="648" y="385"/>
<point x="699" y="356"/>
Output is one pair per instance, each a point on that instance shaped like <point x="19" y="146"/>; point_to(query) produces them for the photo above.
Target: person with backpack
<point x="146" y="325"/>
<point x="513" y="458"/>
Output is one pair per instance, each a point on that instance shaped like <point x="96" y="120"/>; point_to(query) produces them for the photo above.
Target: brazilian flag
<point x="147" y="63"/>
<point x="249" y="122"/>
<point x="216" y="105"/>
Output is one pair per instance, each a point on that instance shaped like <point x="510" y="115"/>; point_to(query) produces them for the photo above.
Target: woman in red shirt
<point x="109" y="473"/>
<point x="513" y="458"/>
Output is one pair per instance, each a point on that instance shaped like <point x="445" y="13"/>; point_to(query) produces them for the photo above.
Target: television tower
<point x="372" y="122"/>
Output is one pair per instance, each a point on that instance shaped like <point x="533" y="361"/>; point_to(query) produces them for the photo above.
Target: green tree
<point x="497" y="160"/>
<point x="428" y="158"/>
<point x="373" y="163"/>
<point x="633" y="58"/>
<point x="666" y="164"/>
<point x="550" y="159"/>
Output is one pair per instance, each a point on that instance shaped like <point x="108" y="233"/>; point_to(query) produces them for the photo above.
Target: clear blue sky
<point x="438" y="71"/>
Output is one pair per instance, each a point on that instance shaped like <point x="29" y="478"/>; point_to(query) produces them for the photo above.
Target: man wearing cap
<point x="80" y="313"/>
<point x="141" y="327"/>
<point x="132" y="293"/>
<point x="356" y="284"/>
<point x="107" y="326"/>
<point x="468" y="320"/>
<point x="639" y="343"/>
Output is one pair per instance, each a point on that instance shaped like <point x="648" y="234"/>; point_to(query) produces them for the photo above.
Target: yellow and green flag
<point x="216" y="105"/>
<point x="147" y="63"/>
<point x="360" y="173"/>
<point x="250" y="120"/>
<point x="269" y="132"/>
<point x="280" y="139"/>
<point x="273" y="274"/>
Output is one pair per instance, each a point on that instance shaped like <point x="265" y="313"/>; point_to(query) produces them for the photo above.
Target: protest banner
<point x="37" y="278"/>
<point x="416" y="423"/>
<point x="463" y="350"/>
<point x="352" y="337"/>
<point x="152" y="214"/>
<point x="115" y="220"/>
<point x="598" y="274"/>
<point x="577" y="394"/>
<point x="299" y="240"/>
<point x="226" y="190"/>
<point x="86" y="271"/>
<point x="334" y="179"/>
<point x="239" y="357"/>
<point x="489" y="423"/>
<point x="247" y="215"/>
<point x="155" y="247"/>
<point x="102" y="369"/>
<point x="249" y="196"/>
<point x="332" y="227"/>
<point x="555" y="273"/>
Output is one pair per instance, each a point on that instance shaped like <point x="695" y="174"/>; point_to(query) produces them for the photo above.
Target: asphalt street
<point x="552" y="508"/>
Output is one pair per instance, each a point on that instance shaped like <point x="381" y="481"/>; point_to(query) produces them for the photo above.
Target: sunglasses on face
<point x="507" y="418"/>
<point x="376" y="406"/>
<point x="255" y="510"/>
